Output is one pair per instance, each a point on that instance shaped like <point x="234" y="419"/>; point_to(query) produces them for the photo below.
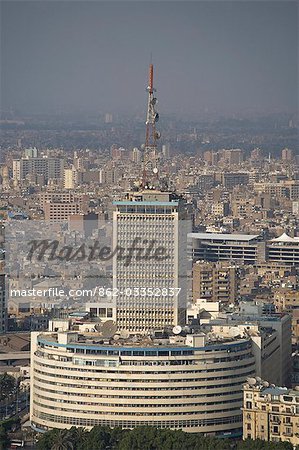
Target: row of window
<point x="237" y="419"/>
<point x="168" y="372"/>
<point x="80" y="394"/>
<point x="236" y="409"/>
<point x="128" y="388"/>
<point x="138" y="405"/>
<point x="145" y="380"/>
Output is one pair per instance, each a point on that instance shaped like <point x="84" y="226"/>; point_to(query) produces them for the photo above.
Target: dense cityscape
<point x="149" y="278"/>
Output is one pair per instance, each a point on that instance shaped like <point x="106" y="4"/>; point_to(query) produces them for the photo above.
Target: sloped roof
<point x="285" y="238"/>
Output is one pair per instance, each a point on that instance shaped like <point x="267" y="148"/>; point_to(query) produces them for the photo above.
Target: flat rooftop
<point x="144" y="203"/>
<point x="224" y="237"/>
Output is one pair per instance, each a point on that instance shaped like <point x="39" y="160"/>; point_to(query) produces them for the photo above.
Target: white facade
<point x="197" y="387"/>
<point x="152" y="291"/>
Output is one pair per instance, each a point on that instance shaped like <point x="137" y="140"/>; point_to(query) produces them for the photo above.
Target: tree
<point x="7" y="386"/>
<point x="4" y="440"/>
<point x="56" y="440"/>
<point x="62" y="441"/>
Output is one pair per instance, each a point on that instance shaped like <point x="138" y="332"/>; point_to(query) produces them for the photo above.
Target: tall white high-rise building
<point x="3" y="310"/>
<point x="150" y="272"/>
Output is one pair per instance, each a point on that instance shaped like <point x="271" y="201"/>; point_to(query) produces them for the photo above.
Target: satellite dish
<point x="251" y="381"/>
<point x="108" y="329"/>
<point x="265" y="384"/>
<point x="157" y="135"/>
<point x="154" y="100"/>
<point x="124" y="334"/>
<point x="156" y="117"/>
<point x="98" y="327"/>
<point x="177" y="329"/>
<point x="155" y="170"/>
<point x="116" y="337"/>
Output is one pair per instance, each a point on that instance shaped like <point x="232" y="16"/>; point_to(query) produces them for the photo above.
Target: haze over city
<point x="222" y="57"/>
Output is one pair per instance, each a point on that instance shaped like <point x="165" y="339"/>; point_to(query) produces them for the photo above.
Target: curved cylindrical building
<point x="181" y="383"/>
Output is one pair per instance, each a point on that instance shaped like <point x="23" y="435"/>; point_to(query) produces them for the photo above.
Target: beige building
<point x="56" y="212"/>
<point x="70" y="178"/>
<point x="189" y="383"/>
<point x="270" y="413"/>
<point x="287" y="300"/>
<point x="152" y="290"/>
<point x="216" y="282"/>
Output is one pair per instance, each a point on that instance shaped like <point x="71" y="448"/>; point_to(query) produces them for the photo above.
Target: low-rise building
<point x="270" y="413"/>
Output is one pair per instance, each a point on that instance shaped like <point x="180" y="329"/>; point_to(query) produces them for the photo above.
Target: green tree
<point x="4" y="440"/>
<point x="8" y="386"/>
<point x="258" y="444"/>
<point x="99" y="438"/>
<point x="62" y="441"/>
<point x="56" y="440"/>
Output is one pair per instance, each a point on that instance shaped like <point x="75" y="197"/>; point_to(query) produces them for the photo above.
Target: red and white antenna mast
<point x="150" y="155"/>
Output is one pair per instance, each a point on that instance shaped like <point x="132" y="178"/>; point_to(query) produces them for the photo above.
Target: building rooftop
<point x="264" y="388"/>
<point x="136" y="342"/>
<point x="144" y="203"/>
<point x="285" y="238"/>
<point x="224" y="237"/>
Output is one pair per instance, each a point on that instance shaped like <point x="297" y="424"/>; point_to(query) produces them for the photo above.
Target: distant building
<point x="50" y="168"/>
<point x="69" y="180"/>
<point x="232" y="179"/>
<point x="166" y="150"/>
<point x="287" y="154"/>
<point x="220" y="209"/>
<point x="136" y="155"/>
<point x="108" y="118"/>
<point x="234" y="156"/>
<point x="31" y="152"/>
<point x="3" y="306"/>
<point x="284" y="250"/>
<point x="245" y="248"/>
<point x="270" y="413"/>
<point x="215" y="282"/>
<point x="56" y="211"/>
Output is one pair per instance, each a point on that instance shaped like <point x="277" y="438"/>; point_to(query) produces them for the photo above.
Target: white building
<point x="151" y="288"/>
<point x="191" y="383"/>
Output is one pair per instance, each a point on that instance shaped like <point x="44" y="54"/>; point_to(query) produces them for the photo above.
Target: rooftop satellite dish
<point x="251" y="381"/>
<point x="177" y="329"/>
<point x="124" y="334"/>
<point x="116" y="337"/>
<point x="155" y="170"/>
<point x="265" y="384"/>
<point x="156" y="117"/>
<point x="108" y="329"/>
<point x="98" y="327"/>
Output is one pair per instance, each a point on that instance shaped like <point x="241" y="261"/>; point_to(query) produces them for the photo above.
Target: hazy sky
<point x="228" y="56"/>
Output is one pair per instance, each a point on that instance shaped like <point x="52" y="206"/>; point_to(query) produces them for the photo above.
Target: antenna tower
<point x="150" y="155"/>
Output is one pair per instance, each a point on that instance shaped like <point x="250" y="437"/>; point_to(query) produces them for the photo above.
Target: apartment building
<point x="216" y="282"/>
<point x="270" y="413"/>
